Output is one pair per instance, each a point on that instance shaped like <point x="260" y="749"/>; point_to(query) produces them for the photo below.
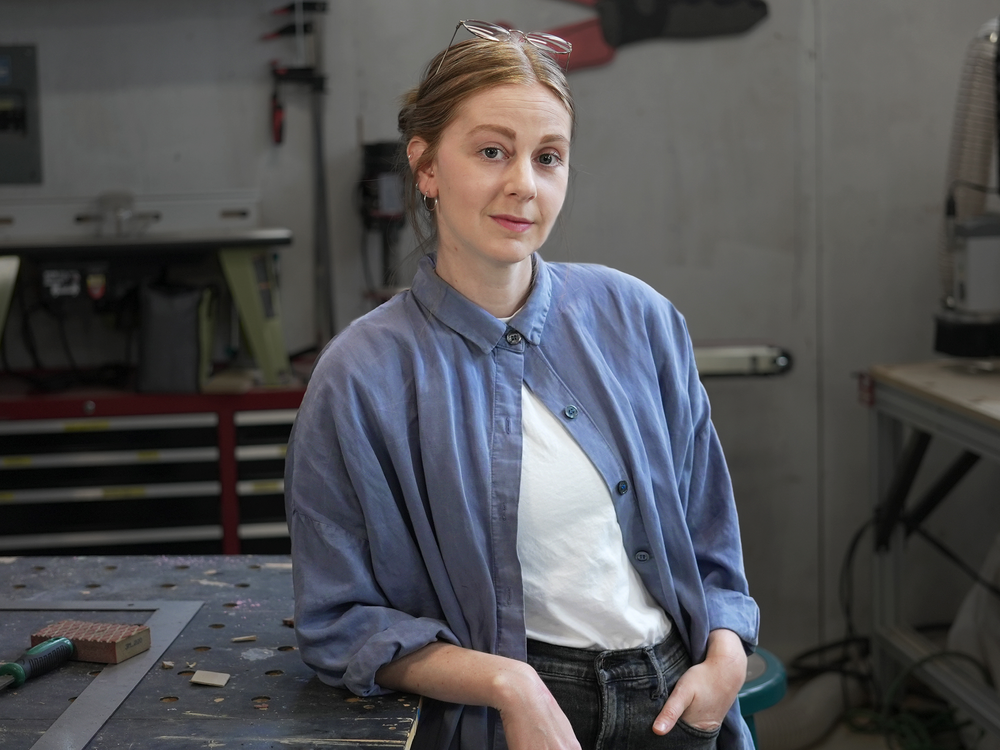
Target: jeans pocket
<point x="707" y="736"/>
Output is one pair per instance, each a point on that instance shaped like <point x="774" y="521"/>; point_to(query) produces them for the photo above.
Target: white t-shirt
<point x="580" y="589"/>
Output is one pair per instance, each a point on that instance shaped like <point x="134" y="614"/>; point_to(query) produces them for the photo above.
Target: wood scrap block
<point x="213" y="679"/>
<point x="104" y="642"/>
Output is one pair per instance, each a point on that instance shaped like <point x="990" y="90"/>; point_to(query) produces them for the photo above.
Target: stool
<point x="764" y="686"/>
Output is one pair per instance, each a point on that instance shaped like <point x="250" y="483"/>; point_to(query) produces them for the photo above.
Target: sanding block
<point x="104" y="642"/>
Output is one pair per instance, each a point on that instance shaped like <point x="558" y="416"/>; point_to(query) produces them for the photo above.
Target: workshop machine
<point x="968" y="323"/>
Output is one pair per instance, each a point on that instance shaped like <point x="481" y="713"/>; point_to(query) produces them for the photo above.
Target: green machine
<point x="250" y="275"/>
<point x="9" y="265"/>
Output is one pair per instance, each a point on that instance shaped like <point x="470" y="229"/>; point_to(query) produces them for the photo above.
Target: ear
<point x="424" y="176"/>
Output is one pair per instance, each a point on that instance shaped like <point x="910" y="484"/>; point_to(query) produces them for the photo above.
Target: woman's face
<point x="500" y="175"/>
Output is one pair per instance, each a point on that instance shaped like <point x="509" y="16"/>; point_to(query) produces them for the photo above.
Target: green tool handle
<point x="38" y="660"/>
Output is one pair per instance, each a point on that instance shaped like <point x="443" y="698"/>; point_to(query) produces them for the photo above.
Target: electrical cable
<point x="799" y="667"/>
<point x="909" y="729"/>
<point x="846" y="582"/>
<point x="856" y="649"/>
<point x="64" y="339"/>
<point x="51" y="383"/>
<point x="109" y="375"/>
<point x="26" y="331"/>
<point x="131" y="329"/>
<point x="3" y="354"/>
<point x="903" y="728"/>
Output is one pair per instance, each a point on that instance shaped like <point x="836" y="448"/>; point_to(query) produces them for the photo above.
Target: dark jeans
<point x="612" y="697"/>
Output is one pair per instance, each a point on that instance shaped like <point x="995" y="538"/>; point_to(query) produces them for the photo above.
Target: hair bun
<point x="404" y="119"/>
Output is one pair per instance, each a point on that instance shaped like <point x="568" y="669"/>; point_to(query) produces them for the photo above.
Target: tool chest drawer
<point x="261" y="443"/>
<point x="142" y="474"/>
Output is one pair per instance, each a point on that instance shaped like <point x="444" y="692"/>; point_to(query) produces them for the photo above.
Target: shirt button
<point x="571" y="412"/>
<point x="513" y="338"/>
<point x="642" y="556"/>
<point x="622" y="487"/>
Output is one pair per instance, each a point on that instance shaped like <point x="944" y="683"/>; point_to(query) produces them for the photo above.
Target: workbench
<point x="195" y="607"/>
<point x="227" y="614"/>
<point x="958" y="401"/>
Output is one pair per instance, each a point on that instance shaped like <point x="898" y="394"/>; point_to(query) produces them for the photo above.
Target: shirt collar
<point x="471" y="321"/>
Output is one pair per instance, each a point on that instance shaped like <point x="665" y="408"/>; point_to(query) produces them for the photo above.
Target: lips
<point x="513" y="223"/>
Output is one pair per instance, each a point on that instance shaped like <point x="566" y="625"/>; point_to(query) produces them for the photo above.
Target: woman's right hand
<point x="532" y="720"/>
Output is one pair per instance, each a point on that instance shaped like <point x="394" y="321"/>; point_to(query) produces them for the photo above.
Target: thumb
<point x="680" y="698"/>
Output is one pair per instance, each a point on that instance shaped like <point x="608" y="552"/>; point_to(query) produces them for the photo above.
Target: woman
<point x="504" y="490"/>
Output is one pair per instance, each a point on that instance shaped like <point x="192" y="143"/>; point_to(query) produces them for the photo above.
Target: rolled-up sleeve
<point x="352" y="616"/>
<point x="346" y="629"/>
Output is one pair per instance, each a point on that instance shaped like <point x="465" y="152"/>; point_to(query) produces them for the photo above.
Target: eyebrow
<point x="509" y="133"/>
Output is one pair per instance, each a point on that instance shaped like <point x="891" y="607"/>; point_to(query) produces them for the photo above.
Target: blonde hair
<point x="468" y="68"/>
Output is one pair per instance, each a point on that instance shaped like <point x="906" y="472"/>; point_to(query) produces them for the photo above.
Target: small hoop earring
<point x="429" y="203"/>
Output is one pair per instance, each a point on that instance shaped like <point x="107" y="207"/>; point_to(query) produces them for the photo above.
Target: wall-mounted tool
<point x="308" y="73"/>
<point x="277" y="114"/>
<point x="619" y="22"/>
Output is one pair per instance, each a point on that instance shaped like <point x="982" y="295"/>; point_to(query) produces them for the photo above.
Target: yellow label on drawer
<point x="269" y="485"/>
<point x="6" y="497"/>
<point x="283" y="449"/>
<point x="123" y="493"/>
<point x="15" y="461"/>
<point x="95" y="426"/>
<point x="148" y="455"/>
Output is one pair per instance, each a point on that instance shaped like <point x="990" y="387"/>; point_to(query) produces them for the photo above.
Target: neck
<point x="499" y="288"/>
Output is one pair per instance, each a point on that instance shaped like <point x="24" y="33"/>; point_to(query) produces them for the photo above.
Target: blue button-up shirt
<point x="404" y="468"/>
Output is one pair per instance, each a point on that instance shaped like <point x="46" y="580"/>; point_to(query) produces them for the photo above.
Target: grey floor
<point x="844" y="738"/>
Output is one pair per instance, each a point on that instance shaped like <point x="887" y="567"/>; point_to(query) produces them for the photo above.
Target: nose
<point x="521" y="178"/>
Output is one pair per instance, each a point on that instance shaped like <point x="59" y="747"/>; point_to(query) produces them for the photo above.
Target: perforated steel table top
<point x="272" y="700"/>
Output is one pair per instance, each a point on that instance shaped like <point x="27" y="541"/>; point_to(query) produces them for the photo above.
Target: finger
<point x="672" y="710"/>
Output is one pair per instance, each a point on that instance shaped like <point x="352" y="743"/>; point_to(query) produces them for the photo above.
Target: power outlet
<point x="20" y="132"/>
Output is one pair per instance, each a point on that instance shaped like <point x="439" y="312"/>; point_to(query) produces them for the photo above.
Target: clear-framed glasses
<point x="485" y="30"/>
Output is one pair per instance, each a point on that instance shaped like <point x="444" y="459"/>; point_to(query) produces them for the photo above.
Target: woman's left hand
<point x="705" y="693"/>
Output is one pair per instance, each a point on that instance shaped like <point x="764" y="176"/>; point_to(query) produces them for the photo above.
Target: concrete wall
<point x="783" y="186"/>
